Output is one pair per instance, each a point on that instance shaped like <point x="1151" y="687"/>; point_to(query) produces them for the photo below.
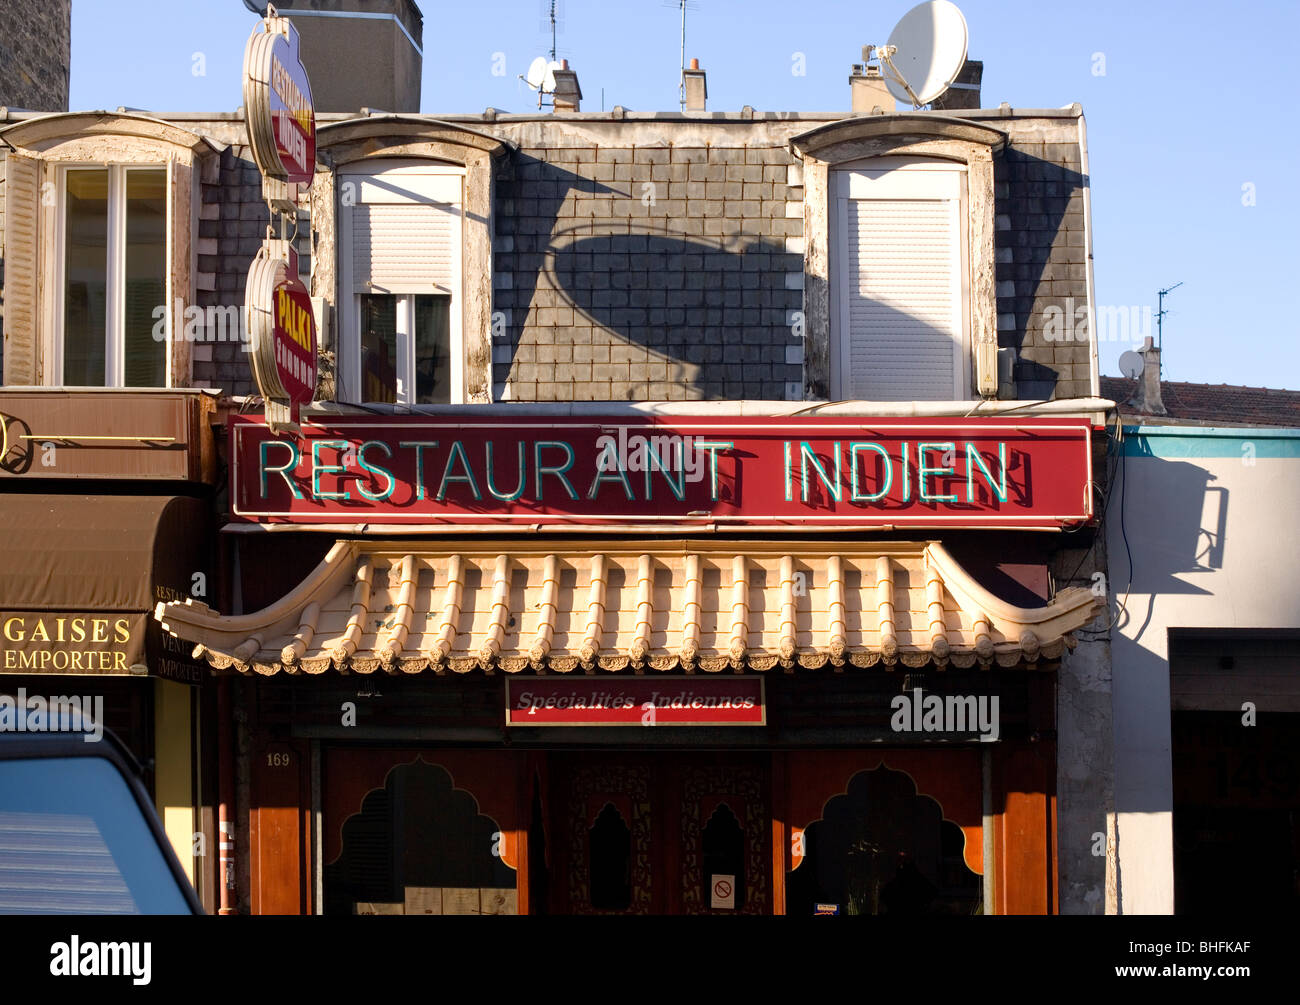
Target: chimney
<point x="964" y="92"/>
<point x="568" y="95"/>
<point x="867" y="90"/>
<point x="696" y="87"/>
<point x="1146" y="399"/>
<point x="360" y="53"/>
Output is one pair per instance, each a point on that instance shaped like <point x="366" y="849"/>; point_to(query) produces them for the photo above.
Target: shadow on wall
<point x="637" y="278"/>
<point x="1177" y="529"/>
<point x="1032" y="225"/>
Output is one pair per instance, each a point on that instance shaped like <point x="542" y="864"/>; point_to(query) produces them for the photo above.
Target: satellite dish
<point x="548" y="83"/>
<point x="1131" y="363"/>
<point x="925" y="52"/>
<point x="536" y="75"/>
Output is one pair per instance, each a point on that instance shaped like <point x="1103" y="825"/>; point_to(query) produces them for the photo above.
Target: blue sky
<point x="1193" y="116"/>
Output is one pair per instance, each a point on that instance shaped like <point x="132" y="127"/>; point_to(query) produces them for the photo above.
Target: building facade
<point x="672" y="481"/>
<point x="1204" y="616"/>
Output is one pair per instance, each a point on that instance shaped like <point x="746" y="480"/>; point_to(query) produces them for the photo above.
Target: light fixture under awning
<point x="403" y="607"/>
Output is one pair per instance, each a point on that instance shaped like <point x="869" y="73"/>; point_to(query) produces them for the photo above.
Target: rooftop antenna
<point x="553" y="5"/>
<point x="925" y="52"/>
<point x="1160" y="322"/>
<point x="541" y="72"/>
<point x="683" y="6"/>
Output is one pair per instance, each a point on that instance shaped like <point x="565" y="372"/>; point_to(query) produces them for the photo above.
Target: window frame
<point x="963" y="142"/>
<point x="349" y="300"/>
<point x="841" y="184"/>
<point x="38" y="148"/>
<point x="114" y="276"/>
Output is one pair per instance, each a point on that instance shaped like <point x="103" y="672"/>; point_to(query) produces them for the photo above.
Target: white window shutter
<point x="902" y="299"/>
<point x="21" y="224"/>
<point x="404" y="248"/>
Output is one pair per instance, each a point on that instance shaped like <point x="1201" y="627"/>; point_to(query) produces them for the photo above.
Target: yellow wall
<point x="173" y="768"/>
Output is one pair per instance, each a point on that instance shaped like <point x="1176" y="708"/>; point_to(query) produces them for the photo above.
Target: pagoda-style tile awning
<point x="403" y="607"/>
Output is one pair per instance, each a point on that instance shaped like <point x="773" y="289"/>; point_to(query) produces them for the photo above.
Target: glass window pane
<point x="85" y="306"/>
<point x="378" y="348"/>
<point x="73" y="840"/>
<point x="146" y="277"/>
<point x="432" y="350"/>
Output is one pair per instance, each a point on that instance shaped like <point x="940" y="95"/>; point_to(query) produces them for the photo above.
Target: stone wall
<point x="35" y="54"/>
<point x="656" y="271"/>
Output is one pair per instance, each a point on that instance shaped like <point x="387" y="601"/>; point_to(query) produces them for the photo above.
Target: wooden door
<point x="656" y="833"/>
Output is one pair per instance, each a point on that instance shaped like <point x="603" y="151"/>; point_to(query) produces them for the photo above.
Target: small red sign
<point x="666" y="701"/>
<point x="294" y="337"/>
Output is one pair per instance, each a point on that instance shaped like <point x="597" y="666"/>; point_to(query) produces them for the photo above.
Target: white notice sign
<point x="723" y="893"/>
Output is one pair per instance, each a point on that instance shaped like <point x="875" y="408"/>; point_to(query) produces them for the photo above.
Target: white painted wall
<point x="1212" y="526"/>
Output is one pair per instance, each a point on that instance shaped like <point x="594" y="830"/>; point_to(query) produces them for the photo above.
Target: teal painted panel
<point x="1184" y="441"/>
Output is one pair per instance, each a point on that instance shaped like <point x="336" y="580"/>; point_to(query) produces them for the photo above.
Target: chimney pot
<point x="695" y="87"/>
<point x="568" y="94"/>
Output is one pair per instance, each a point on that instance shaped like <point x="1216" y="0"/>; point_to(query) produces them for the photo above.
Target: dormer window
<point x="899" y="293"/>
<point x="100" y="218"/>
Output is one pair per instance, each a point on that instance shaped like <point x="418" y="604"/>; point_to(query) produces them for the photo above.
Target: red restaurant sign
<point x="723" y="471"/>
<point x="665" y="701"/>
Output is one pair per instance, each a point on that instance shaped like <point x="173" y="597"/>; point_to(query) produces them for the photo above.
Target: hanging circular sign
<point x="282" y="330"/>
<point x="277" y="102"/>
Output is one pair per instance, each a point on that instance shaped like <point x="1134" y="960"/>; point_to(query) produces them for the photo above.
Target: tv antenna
<point x="556" y="18"/>
<point x="683" y="6"/>
<point x="925" y="52"/>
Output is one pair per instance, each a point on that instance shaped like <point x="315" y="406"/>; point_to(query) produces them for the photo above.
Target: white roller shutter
<point x="901" y="306"/>
<point x="404" y="248"/>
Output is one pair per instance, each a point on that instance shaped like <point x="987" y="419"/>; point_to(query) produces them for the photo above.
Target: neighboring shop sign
<point x="278" y="105"/>
<point x="664" y="701"/>
<point x="72" y="642"/>
<point x="282" y="332"/>
<point x="697" y="472"/>
<point x="97" y="433"/>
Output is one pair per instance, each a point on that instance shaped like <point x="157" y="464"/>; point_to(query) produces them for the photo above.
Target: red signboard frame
<point x="702" y="472"/>
<point x="644" y="702"/>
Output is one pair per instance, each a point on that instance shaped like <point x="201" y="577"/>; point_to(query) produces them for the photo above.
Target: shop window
<point x="724" y="854"/>
<point x="900" y="318"/>
<point x="113" y="274"/>
<point x="881" y="848"/>
<point x="419" y="845"/>
<point x="611" y="861"/>
<point x="400" y="227"/>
